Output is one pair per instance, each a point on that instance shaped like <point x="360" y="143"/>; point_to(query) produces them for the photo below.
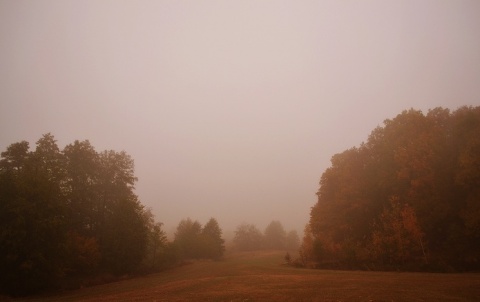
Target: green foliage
<point x="430" y="165"/>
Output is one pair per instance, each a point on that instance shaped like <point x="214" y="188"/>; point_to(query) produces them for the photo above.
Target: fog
<point x="230" y="109"/>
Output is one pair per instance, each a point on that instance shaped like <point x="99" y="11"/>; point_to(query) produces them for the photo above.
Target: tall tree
<point x="187" y="238"/>
<point x="32" y="217"/>
<point x="155" y="257"/>
<point x="212" y="240"/>
<point x="82" y="187"/>
<point x="123" y="237"/>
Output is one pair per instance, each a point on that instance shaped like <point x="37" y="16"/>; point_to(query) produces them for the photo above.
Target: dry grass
<point x="260" y="276"/>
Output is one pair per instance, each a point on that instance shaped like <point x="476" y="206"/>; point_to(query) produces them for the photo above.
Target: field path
<point x="260" y="276"/>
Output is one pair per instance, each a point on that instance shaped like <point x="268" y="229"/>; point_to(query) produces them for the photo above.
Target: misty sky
<point x="230" y="109"/>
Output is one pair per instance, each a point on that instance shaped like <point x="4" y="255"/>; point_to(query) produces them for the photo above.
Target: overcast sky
<point x="230" y="109"/>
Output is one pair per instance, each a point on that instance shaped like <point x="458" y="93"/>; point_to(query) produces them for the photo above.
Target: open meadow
<point x="261" y="276"/>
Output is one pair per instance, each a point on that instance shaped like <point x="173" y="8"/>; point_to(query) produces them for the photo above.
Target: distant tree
<point x="288" y="258"/>
<point x="248" y="237"/>
<point x="212" y="240"/>
<point x="292" y="241"/>
<point x="188" y="238"/>
<point x="275" y="236"/>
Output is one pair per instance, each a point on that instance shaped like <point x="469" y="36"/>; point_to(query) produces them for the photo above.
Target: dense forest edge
<point x="70" y="218"/>
<point x="406" y="199"/>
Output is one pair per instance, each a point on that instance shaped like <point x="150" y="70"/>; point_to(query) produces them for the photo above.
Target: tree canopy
<point x="275" y="235"/>
<point x="406" y="198"/>
<point x="195" y="241"/>
<point x="67" y="212"/>
<point x="248" y="237"/>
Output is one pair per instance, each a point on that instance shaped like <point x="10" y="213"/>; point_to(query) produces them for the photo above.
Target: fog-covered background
<point x="230" y="109"/>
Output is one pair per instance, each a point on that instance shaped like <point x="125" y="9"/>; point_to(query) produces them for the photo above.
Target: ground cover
<point x="260" y="276"/>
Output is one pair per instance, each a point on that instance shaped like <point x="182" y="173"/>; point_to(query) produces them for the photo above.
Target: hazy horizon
<point x="230" y="110"/>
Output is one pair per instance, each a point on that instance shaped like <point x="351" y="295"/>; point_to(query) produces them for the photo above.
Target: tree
<point x="275" y="235"/>
<point x="155" y="257"/>
<point x="212" y="240"/>
<point x="306" y="249"/>
<point x="15" y="158"/>
<point x="123" y="233"/>
<point x="187" y="238"/>
<point x="292" y="241"/>
<point x="82" y="188"/>
<point x="69" y="213"/>
<point x="398" y="239"/>
<point x="124" y="236"/>
<point x="248" y="237"/>
<point x="430" y="164"/>
<point x="32" y="216"/>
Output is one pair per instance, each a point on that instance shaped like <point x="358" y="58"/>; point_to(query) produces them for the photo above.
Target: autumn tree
<point x="427" y="161"/>
<point x="397" y="238"/>
<point x="306" y="250"/>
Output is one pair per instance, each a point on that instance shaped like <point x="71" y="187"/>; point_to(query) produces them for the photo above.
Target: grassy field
<point x="260" y="276"/>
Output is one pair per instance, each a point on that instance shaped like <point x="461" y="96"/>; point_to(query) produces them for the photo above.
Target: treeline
<point x="408" y="198"/>
<point x="193" y="241"/>
<point x="72" y="214"/>
<point x="249" y="238"/>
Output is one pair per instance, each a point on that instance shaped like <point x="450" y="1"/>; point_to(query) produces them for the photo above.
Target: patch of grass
<point x="260" y="276"/>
